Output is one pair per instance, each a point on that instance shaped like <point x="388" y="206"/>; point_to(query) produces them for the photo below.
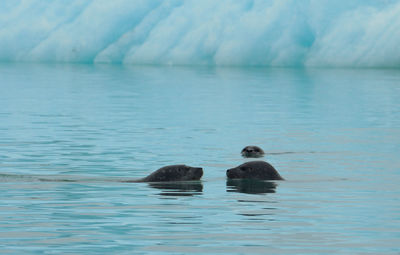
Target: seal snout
<point x="230" y="173"/>
<point x="197" y="172"/>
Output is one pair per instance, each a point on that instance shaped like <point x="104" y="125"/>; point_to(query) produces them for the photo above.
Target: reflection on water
<point x="250" y="186"/>
<point x="189" y="188"/>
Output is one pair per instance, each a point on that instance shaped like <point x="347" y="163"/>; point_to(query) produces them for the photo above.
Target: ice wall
<point x="338" y="33"/>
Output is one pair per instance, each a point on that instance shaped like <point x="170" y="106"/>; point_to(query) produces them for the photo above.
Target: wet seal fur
<point x="256" y="170"/>
<point x="252" y="151"/>
<point x="173" y="173"/>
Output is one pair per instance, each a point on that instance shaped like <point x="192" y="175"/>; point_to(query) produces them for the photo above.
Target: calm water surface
<point x="68" y="134"/>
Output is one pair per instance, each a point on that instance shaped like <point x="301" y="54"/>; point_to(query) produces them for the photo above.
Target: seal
<point x="173" y="173"/>
<point x="252" y="151"/>
<point x="258" y="170"/>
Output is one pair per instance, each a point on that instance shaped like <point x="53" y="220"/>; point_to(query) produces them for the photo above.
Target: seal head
<point x="175" y="173"/>
<point x="252" y="152"/>
<point x="257" y="170"/>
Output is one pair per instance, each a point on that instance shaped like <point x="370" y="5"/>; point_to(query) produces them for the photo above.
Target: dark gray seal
<point x="252" y="152"/>
<point x="173" y="173"/>
<point x="258" y="170"/>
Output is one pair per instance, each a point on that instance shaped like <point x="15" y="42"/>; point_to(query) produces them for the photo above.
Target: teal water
<point x="69" y="133"/>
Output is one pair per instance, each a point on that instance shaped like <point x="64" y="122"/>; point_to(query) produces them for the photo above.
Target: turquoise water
<point x="69" y="133"/>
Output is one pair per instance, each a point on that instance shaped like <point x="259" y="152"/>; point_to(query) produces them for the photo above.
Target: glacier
<point x="276" y="33"/>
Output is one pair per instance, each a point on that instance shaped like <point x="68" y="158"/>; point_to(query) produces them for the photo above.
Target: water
<point x="332" y="134"/>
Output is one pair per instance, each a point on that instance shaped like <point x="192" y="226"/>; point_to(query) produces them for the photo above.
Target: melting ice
<point x="357" y="33"/>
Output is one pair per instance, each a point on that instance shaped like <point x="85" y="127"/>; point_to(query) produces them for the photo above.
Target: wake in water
<point x="4" y="177"/>
<point x="178" y="188"/>
<point x="359" y="33"/>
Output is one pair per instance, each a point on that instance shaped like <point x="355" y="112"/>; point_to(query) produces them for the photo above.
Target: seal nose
<point x="199" y="171"/>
